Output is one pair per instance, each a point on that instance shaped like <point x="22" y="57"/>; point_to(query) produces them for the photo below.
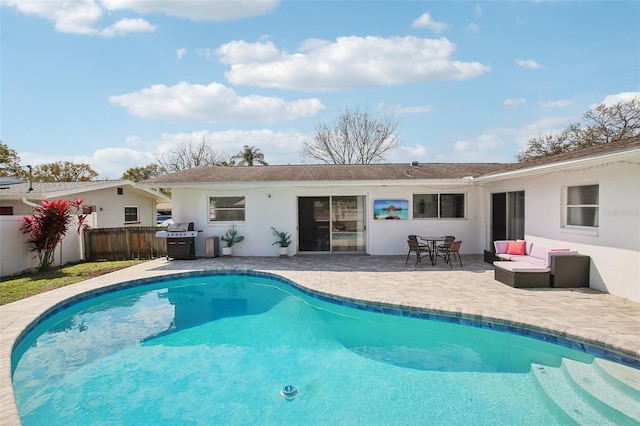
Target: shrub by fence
<point x="124" y="243"/>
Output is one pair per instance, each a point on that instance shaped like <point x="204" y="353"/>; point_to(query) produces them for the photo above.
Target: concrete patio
<point x="582" y="314"/>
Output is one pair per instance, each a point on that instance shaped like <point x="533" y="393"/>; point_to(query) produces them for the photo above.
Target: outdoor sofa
<point x="525" y="264"/>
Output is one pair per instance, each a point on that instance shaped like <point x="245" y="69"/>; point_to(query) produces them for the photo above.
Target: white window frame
<point x="568" y="206"/>
<point x="137" y="220"/>
<point x="439" y="206"/>
<point x="211" y="210"/>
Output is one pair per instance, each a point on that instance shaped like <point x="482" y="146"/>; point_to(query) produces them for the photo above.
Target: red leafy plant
<point x="48" y="224"/>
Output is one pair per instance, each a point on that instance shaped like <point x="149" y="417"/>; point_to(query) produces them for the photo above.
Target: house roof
<point x="590" y="152"/>
<point x="326" y="172"/>
<point x="48" y="190"/>
<point x="370" y="172"/>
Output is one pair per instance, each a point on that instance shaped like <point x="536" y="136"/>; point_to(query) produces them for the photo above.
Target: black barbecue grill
<point x="180" y="240"/>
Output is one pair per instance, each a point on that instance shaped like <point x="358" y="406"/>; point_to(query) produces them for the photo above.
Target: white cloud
<point x="197" y="10"/>
<point x="348" y="63"/>
<point x="83" y="17"/>
<point x="180" y="53"/>
<point x="212" y="103"/>
<point x="113" y="162"/>
<point x="514" y="102"/>
<point x="206" y="53"/>
<point x="473" y="28"/>
<point x="417" y="152"/>
<point x="110" y="163"/>
<point x="620" y="97"/>
<point x="426" y="21"/>
<point x="241" y="52"/>
<point x="482" y="149"/>
<point x="528" y="63"/>
<point x="78" y="17"/>
<point x="415" y="109"/>
<point x="125" y="26"/>
<point x="478" y="10"/>
<point x="277" y="147"/>
<point x="541" y="126"/>
<point x="555" y="104"/>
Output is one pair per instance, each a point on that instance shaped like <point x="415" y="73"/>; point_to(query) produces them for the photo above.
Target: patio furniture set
<point x="524" y="264"/>
<point x="428" y="246"/>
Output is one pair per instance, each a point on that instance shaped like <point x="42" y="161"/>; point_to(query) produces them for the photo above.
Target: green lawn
<point x="25" y="285"/>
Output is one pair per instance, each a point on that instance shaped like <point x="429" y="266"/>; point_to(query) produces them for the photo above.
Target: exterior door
<point x="347" y="224"/>
<point x="507" y="216"/>
<point x="331" y="224"/>
<point x="313" y="224"/>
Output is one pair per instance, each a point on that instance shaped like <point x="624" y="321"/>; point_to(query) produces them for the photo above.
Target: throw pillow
<point x="516" y="248"/>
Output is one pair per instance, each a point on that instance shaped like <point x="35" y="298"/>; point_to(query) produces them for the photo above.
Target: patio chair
<point x="452" y="249"/>
<point x="419" y="249"/>
<point x="448" y="239"/>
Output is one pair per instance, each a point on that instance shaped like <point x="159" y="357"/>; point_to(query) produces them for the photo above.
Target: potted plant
<point x="283" y="239"/>
<point x="231" y="237"/>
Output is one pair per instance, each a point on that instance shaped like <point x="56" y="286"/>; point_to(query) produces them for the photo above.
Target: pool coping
<point x="22" y="315"/>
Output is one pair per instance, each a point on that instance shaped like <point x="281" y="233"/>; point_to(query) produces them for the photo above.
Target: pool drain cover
<point x="289" y="391"/>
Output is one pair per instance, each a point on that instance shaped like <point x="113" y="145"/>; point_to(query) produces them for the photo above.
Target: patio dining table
<point x="433" y="241"/>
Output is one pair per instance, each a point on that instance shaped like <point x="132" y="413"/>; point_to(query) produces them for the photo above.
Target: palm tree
<point x="249" y="155"/>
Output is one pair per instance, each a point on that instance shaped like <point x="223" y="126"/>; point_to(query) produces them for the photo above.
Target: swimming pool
<point x="202" y="349"/>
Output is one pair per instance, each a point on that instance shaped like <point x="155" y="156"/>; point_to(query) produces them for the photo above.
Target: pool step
<point x="625" y="378"/>
<point x="605" y="391"/>
<point x="572" y="408"/>
<point x="587" y="394"/>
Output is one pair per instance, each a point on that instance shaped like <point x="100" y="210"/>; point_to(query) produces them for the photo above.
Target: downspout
<point x="29" y="203"/>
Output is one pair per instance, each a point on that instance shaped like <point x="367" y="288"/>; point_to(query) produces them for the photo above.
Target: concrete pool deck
<point x="581" y="314"/>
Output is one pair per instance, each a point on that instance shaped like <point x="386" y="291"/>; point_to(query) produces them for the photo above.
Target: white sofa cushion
<point x="530" y="259"/>
<point x="520" y="267"/>
<point x="539" y="251"/>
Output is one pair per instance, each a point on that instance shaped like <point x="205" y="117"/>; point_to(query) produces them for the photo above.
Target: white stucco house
<point x="587" y="200"/>
<point x="112" y="204"/>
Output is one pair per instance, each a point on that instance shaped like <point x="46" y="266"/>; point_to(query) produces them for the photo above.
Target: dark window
<point x="441" y="206"/>
<point x="131" y="214"/>
<point x="583" y="205"/>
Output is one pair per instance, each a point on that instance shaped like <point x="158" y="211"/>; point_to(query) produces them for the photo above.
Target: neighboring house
<point x="111" y="204"/>
<point x="116" y="203"/>
<point x="587" y="200"/>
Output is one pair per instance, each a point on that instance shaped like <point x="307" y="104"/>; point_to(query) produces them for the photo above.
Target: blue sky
<point x="117" y="83"/>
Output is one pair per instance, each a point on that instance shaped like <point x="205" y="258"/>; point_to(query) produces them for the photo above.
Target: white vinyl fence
<point x="15" y="256"/>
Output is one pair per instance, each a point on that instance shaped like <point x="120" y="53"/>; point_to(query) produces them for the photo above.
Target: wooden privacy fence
<point x="124" y="243"/>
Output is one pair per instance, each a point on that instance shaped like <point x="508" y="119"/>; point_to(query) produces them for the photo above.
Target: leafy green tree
<point x="600" y="125"/>
<point x="249" y="156"/>
<point x="356" y="137"/>
<point x="9" y="162"/>
<point x="47" y="224"/>
<point x="137" y="174"/>
<point x="64" y="171"/>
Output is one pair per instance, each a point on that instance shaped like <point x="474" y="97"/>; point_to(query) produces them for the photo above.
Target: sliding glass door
<point x="331" y="224"/>
<point x="347" y="224"/>
<point x="507" y="216"/>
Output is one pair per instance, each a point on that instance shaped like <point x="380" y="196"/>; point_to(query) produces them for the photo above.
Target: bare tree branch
<point x="186" y="156"/>
<point x="355" y="137"/>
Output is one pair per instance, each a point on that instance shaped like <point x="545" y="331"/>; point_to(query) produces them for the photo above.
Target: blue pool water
<point x="219" y="349"/>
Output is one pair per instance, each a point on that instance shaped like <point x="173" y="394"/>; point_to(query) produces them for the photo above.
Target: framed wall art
<point x="391" y="209"/>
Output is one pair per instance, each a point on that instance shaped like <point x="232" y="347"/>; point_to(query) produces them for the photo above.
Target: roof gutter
<point x="546" y="168"/>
